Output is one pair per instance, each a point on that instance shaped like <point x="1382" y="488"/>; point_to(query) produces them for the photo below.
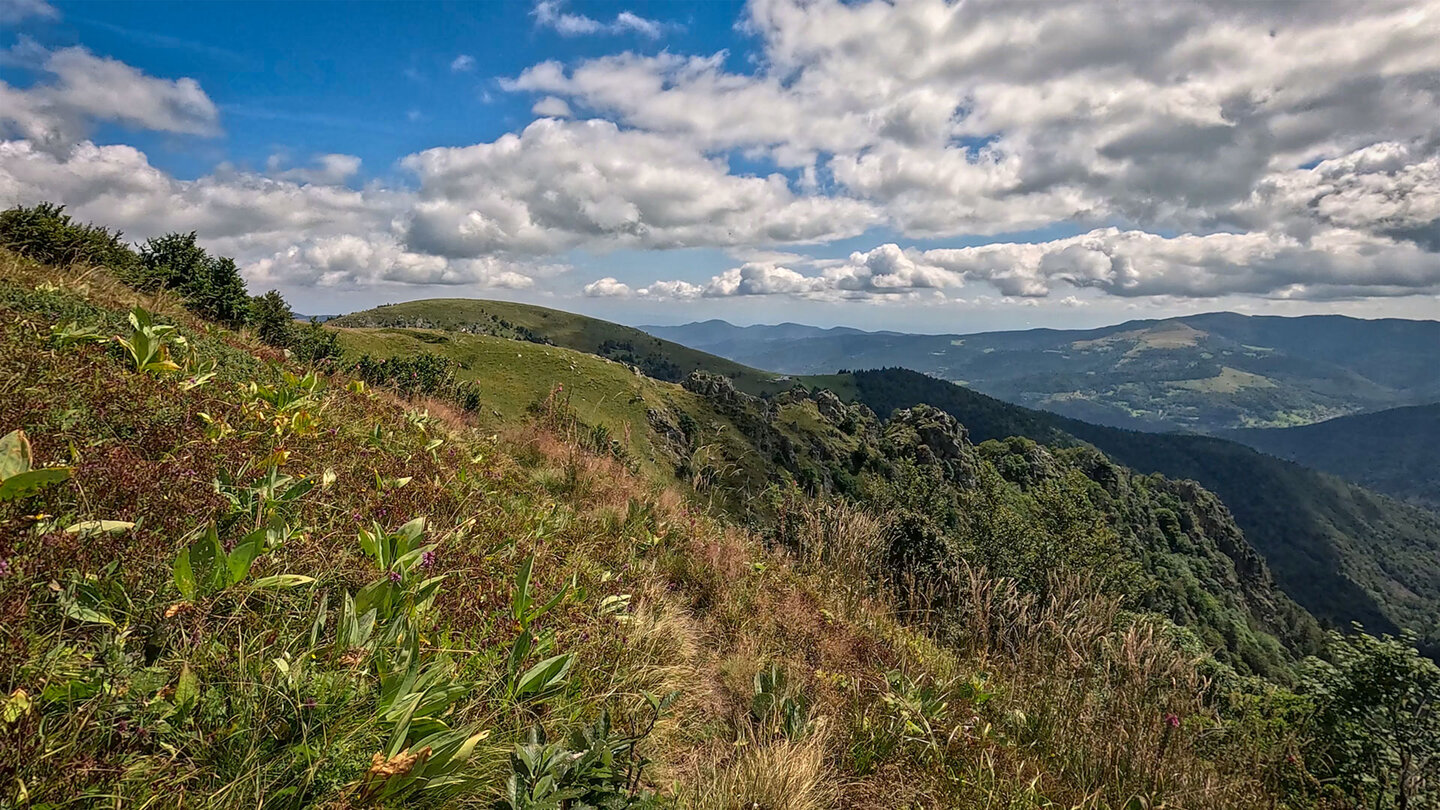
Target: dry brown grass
<point x="778" y="774"/>
<point x="1096" y="693"/>
<point x="841" y="538"/>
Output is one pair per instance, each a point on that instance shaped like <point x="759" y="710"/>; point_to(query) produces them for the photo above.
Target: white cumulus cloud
<point x="14" y="11"/>
<point x="79" y="88"/>
<point x="607" y="287"/>
<point x="552" y="14"/>
<point x="1199" y="149"/>
<point x="562" y="184"/>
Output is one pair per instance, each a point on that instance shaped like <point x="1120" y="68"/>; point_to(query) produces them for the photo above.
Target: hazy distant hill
<point x="1202" y="373"/>
<point x="1396" y="452"/>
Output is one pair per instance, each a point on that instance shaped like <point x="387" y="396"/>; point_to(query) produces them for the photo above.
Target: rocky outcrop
<point x="831" y="407"/>
<point x="932" y="436"/>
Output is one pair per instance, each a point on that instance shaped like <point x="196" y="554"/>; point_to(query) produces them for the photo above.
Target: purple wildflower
<point x="427" y="560"/>
<point x="4" y="568"/>
<point x="395" y="576"/>
<point x="1173" y="720"/>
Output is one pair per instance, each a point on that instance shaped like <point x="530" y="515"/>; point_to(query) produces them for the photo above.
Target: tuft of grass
<point x="781" y="774"/>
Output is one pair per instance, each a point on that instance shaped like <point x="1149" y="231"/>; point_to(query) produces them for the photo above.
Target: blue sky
<point x="368" y="79"/>
<point x="919" y="165"/>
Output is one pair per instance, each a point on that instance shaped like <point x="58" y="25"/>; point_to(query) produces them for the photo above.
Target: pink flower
<point x="1173" y="720"/>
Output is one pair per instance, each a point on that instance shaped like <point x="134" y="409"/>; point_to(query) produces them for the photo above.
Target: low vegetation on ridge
<point x="231" y="577"/>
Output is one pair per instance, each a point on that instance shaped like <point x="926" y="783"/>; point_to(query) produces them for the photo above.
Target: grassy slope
<point x="517" y="376"/>
<point x="1344" y="553"/>
<point x="566" y="329"/>
<point x="1391" y="451"/>
<point x="1341" y="552"/>
<point x="241" y="698"/>
<point x="748" y="448"/>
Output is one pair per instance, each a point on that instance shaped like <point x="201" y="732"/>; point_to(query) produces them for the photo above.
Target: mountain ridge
<point x="655" y="357"/>
<point x="1200" y="373"/>
<point x="758" y="328"/>
<point x="1392" y="451"/>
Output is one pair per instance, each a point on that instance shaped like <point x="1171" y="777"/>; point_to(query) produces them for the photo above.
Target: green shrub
<point x="1377" y="728"/>
<point x="313" y="343"/>
<point x="271" y="319"/>
<point x="595" y="767"/>
<point x="48" y="235"/>
<point x="421" y="375"/>
<point x="210" y="285"/>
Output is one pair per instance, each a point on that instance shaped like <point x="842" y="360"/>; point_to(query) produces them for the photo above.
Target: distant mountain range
<point x="1199" y="373"/>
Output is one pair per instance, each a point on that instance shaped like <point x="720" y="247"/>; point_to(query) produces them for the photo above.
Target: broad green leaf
<point x="27" y="482"/>
<point x="207" y="561"/>
<point x="370" y="544"/>
<point x="411" y="531"/>
<point x="615" y="603"/>
<point x="82" y="613"/>
<point x="550" y="605"/>
<point x="163" y="364"/>
<point x="402" y="727"/>
<point x="520" y="602"/>
<point x="519" y="648"/>
<point x="298" y="489"/>
<point x="187" y="690"/>
<point x="467" y="748"/>
<point x="240" y="558"/>
<point x="14" y="454"/>
<point x="409" y="558"/>
<point x="377" y="597"/>
<point x="16" y="706"/>
<point x="184" y="574"/>
<point x="88" y="599"/>
<point x="425" y="593"/>
<point x="544" y="676"/>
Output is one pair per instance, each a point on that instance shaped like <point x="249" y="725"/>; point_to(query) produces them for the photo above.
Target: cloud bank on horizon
<point x="1199" y="150"/>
